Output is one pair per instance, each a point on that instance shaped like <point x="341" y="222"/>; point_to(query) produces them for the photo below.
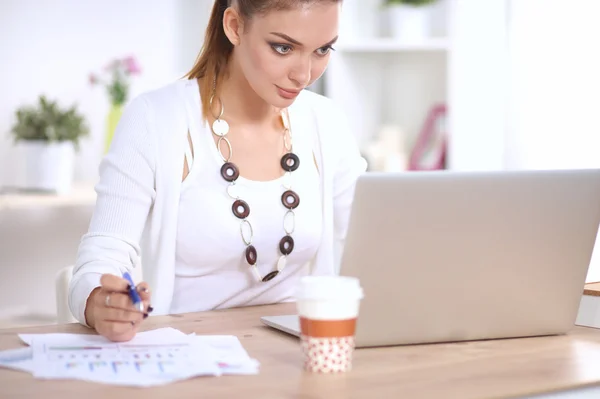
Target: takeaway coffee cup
<point x="328" y="307"/>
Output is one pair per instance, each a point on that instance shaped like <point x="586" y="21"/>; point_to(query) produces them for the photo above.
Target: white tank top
<point x="211" y="271"/>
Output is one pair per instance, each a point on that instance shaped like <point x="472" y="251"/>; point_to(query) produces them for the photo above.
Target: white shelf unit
<point x="380" y="80"/>
<point x="390" y="45"/>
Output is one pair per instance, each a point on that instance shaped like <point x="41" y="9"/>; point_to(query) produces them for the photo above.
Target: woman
<point x="235" y="181"/>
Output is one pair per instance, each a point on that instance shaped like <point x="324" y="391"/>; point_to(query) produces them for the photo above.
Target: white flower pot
<point x="359" y="20"/>
<point x="48" y="166"/>
<point x="409" y="23"/>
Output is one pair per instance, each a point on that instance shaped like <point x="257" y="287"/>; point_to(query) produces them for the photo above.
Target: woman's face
<point x="283" y="52"/>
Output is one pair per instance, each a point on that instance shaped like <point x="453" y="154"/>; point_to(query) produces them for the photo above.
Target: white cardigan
<point x="138" y="193"/>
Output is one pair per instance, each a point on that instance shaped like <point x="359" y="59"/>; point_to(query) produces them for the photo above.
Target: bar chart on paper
<point x="150" y="360"/>
<point x="117" y="359"/>
<point x="154" y="357"/>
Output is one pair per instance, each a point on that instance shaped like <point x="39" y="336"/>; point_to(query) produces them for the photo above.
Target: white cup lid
<point x="328" y="287"/>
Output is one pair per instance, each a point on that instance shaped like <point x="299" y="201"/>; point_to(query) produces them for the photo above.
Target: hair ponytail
<point x="212" y="62"/>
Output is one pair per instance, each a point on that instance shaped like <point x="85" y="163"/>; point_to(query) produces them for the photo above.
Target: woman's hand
<point x="110" y="311"/>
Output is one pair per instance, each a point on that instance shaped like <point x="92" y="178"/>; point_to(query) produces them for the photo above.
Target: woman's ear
<point x="233" y="25"/>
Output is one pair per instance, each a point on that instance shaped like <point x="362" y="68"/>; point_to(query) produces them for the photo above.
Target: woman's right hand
<point x="110" y="311"/>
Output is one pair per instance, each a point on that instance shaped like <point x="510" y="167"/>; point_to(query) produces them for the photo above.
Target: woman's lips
<point x="287" y="93"/>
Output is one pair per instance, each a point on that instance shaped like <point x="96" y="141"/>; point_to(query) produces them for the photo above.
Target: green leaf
<point x="47" y="121"/>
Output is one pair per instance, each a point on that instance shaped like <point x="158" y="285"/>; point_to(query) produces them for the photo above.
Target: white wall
<point x="525" y="87"/>
<point x="555" y="89"/>
<point x="51" y="46"/>
<point x="555" y="69"/>
<point x="524" y="84"/>
<point x="477" y="84"/>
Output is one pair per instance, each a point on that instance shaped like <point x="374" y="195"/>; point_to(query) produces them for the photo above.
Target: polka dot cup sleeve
<point x="328" y="307"/>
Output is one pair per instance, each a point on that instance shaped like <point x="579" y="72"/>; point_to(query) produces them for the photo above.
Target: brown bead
<point x="290" y="199"/>
<point x="286" y="245"/>
<point x="229" y="171"/>
<point x="270" y="276"/>
<point x="244" y="212"/>
<point x="290" y="162"/>
<point x="251" y="255"/>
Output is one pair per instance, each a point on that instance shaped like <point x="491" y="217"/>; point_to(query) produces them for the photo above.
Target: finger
<point x="144" y="290"/>
<point x="110" y="282"/>
<point x="115" y="300"/>
<point x="116" y="331"/>
<point x="121" y="315"/>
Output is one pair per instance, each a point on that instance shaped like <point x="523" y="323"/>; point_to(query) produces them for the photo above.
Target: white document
<point x="152" y="358"/>
<point x="17" y="359"/>
<point x="229" y="353"/>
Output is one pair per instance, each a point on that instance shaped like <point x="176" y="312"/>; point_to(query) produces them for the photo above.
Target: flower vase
<point x="112" y="119"/>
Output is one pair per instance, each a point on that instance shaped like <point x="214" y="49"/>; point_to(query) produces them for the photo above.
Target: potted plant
<point x="48" y="137"/>
<point x="410" y="20"/>
<point x="115" y="78"/>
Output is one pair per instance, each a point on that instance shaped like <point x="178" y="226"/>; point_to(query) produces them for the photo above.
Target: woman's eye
<point x="324" y="50"/>
<point x="281" y="48"/>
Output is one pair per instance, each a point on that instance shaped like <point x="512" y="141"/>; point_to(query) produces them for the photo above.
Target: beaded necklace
<point x="240" y="208"/>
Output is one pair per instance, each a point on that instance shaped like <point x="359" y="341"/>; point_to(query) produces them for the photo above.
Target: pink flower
<point x="131" y="65"/>
<point x="116" y="76"/>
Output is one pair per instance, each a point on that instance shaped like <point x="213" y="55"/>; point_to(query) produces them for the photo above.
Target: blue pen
<point x="133" y="294"/>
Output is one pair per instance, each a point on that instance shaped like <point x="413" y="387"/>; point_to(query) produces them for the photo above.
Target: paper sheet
<point x="17" y="359"/>
<point x="149" y="359"/>
<point x="229" y="354"/>
<point x="152" y="358"/>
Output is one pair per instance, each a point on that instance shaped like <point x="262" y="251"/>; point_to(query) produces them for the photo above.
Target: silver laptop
<point x="457" y="256"/>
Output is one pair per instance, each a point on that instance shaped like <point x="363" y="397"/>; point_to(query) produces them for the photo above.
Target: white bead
<point x="220" y="127"/>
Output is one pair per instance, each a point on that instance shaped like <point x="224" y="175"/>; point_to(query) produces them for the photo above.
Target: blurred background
<point x="427" y="84"/>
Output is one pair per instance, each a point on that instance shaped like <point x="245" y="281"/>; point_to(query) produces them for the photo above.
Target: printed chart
<point x="146" y="362"/>
<point x="120" y="359"/>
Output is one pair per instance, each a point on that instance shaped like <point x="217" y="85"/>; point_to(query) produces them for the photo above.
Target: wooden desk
<point x="502" y="368"/>
<point x="592" y="289"/>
